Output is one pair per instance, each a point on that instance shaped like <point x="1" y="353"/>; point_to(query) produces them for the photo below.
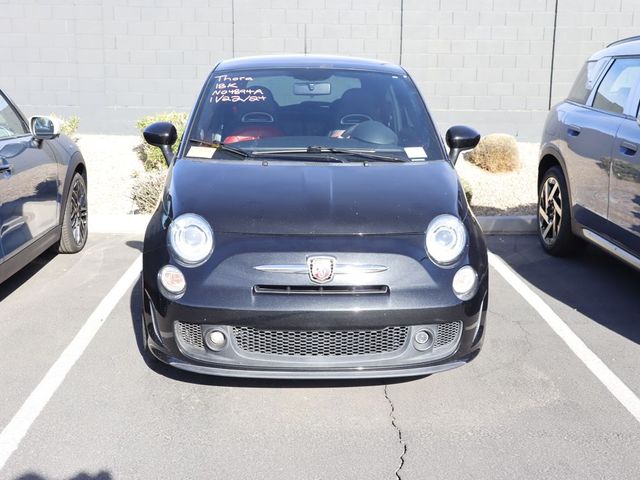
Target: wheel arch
<point x="81" y="168"/>
<point x="550" y="156"/>
<point x="76" y="165"/>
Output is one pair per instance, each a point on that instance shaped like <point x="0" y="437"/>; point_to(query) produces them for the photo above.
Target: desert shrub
<point x="468" y="192"/>
<point x="69" y="126"/>
<point x="495" y="153"/>
<point x="152" y="157"/>
<point x="146" y="190"/>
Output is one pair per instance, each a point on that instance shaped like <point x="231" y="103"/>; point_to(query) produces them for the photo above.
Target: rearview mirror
<point x="44" y="128"/>
<point x="162" y="135"/>
<point x="312" y="89"/>
<point x="460" y="138"/>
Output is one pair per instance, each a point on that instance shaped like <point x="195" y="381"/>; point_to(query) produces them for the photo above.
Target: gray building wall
<point x="487" y="63"/>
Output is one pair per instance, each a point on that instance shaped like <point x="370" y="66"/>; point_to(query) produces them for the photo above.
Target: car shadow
<point x="592" y="282"/>
<point x="80" y="476"/>
<point x="14" y="282"/>
<point x="212" y="380"/>
<point x="135" y="244"/>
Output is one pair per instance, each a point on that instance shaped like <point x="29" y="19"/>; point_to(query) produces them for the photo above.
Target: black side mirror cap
<point x="162" y="135"/>
<point x="460" y="138"/>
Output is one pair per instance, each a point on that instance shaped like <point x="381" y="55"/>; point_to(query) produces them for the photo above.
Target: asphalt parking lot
<point x="528" y="407"/>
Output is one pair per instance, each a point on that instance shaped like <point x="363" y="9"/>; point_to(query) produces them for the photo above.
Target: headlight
<point x="446" y="239"/>
<point x="190" y="239"/>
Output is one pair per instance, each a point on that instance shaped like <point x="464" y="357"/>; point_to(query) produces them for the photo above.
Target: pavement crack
<point x="394" y="423"/>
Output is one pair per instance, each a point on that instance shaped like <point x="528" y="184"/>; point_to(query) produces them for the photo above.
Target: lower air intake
<point x="447" y="334"/>
<point x="190" y="333"/>
<point x="315" y="343"/>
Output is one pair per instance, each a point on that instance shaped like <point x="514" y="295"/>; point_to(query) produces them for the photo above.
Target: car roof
<point x="625" y="46"/>
<point x="308" y="61"/>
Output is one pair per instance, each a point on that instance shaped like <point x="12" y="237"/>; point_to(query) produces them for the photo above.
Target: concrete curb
<point x="118" y="224"/>
<point x="137" y="224"/>
<point x="508" y="224"/>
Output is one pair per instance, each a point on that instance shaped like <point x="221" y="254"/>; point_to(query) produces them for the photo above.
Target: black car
<point x="313" y="226"/>
<point x="589" y="171"/>
<point x="43" y="189"/>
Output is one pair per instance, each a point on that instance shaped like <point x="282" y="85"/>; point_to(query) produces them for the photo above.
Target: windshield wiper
<point x="222" y="146"/>
<point x="314" y="155"/>
<point x="367" y="154"/>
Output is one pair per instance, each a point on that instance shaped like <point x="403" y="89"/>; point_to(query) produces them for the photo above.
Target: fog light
<point x="172" y="282"/>
<point x="422" y="337"/>
<point x="215" y="340"/>
<point x="465" y="283"/>
<point x="423" y="340"/>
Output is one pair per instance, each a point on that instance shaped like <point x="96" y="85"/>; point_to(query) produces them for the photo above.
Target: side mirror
<point x="460" y="138"/>
<point x="162" y="135"/>
<point x="44" y="128"/>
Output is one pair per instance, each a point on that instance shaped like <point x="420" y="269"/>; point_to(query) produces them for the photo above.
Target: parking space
<point x="526" y="408"/>
<point x="596" y="295"/>
<point x="43" y="307"/>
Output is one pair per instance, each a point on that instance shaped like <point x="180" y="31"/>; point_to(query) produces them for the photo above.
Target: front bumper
<point x="333" y="373"/>
<point x="322" y="335"/>
<point x="270" y="352"/>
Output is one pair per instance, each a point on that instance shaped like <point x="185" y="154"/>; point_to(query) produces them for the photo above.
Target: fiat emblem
<point x="321" y="269"/>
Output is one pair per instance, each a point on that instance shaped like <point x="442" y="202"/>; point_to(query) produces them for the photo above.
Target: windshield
<point x="297" y="108"/>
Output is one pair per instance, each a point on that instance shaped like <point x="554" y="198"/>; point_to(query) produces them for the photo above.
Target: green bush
<point x="152" y="157"/>
<point x="69" y="126"/>
<point x="146" y="190"/>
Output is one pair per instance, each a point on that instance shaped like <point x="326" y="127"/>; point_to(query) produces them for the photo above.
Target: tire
<point x="74" y="222"/>
<point x="554" y="214"/>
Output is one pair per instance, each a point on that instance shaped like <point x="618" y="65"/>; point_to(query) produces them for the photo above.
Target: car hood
<point x="313" y="198"/>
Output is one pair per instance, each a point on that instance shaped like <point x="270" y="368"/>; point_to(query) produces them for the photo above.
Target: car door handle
<point x="628" y="148"/>
<point x="573" y="130"/>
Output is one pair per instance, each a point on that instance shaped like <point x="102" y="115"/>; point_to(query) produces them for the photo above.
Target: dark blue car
<point x="43" y="189"/>
<point x="589" y="172"/>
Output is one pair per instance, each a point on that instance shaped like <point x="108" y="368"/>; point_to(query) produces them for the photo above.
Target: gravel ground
<point x="112" y="160"/>
<point x="512" y="193"/>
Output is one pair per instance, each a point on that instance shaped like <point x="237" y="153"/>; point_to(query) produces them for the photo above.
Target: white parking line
<point x="19" y="425"/>
<point x="609" y="379"/>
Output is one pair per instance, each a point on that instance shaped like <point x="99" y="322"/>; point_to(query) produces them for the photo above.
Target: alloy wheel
<point x="79" y="211"/>
<point x="550" y="210"/>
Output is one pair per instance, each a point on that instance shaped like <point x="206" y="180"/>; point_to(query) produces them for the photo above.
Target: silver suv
<point x="589" y="171"/>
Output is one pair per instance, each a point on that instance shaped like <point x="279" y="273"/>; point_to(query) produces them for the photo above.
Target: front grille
<point x="447" y="333"/>
<point x="315" y="343"/>
<point x="190" y="333"/>
<point x="320" y="290"/>
<point x="322" y="343"/>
